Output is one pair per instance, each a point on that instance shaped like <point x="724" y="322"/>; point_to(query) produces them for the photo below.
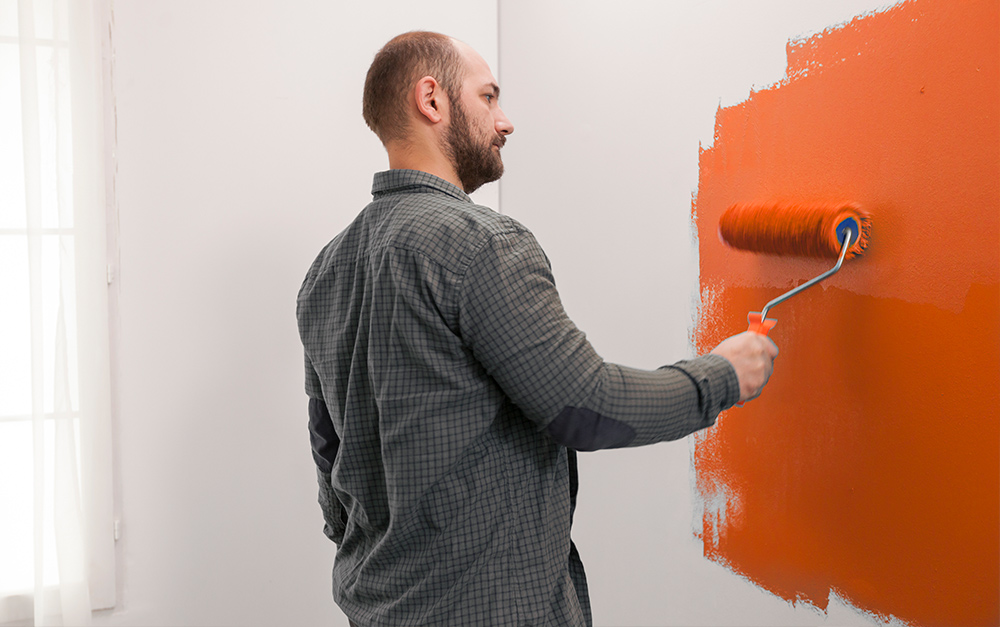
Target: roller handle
<point x="759" y="325"/>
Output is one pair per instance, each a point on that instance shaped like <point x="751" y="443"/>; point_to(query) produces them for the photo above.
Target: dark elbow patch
<point x="322" y="436"/>
<point x="586" y="430"/>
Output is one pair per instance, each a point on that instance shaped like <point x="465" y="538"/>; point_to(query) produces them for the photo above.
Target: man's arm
<point x="512" y="319"/>
<point x="322" y="435"/>
<point x="324" y="446"/>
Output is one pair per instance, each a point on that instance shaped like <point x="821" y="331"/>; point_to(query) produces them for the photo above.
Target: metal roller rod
<point x="811" y="282"/>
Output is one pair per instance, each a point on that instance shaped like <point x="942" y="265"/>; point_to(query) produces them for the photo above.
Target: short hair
<point x="397" y="67"/>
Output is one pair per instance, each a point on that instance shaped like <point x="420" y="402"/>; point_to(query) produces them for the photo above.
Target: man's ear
<point x="431" y="99"/>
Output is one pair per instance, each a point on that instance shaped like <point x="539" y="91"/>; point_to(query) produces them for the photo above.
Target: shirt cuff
<point x="716" y="380"/>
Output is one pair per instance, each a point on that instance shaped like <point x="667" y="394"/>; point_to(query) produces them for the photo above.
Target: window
<point x="56" y="532"/>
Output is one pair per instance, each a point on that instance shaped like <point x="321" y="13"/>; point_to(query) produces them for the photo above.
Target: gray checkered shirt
<point x="448" y="394"/>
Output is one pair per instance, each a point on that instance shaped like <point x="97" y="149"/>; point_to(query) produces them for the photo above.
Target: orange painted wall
<point x="870" y="466"/>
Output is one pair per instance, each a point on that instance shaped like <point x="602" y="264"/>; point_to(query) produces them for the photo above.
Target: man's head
<point x="396" y="69"/>
<point x="432" y="100"/>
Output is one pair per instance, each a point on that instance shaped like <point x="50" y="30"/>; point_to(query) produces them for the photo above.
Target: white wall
<point x="241" y="151"/>
<point x="609" y="101"/>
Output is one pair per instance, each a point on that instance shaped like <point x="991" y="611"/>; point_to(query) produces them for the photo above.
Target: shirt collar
<point x="410" y="181"/>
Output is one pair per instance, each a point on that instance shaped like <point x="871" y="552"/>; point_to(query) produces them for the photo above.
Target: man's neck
<point x="432" y="162"/>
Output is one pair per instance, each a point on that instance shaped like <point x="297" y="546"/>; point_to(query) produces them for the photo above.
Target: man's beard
<point x="475" y="161"/>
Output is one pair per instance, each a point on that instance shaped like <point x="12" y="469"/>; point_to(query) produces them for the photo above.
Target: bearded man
<point x="448" y="390"/>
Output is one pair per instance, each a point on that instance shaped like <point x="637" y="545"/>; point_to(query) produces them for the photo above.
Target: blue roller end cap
<point x="852" y="224"/>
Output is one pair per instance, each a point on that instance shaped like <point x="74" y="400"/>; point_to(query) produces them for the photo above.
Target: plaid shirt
<point x="448" y="394"/>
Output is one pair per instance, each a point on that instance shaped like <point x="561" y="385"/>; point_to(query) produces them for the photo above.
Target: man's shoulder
<point x="413" y="207"/>
<point x="447" y="229"/>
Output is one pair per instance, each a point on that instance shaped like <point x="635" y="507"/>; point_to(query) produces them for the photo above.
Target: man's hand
<point x="752" y="357"/>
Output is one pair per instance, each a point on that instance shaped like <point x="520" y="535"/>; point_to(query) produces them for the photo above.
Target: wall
<point x="241" y="151"/>
<point x="611" y="102"/>
<point x="869" y="466"/>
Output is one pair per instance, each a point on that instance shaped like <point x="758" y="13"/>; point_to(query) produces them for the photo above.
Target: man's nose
<point x="502" y="124"/>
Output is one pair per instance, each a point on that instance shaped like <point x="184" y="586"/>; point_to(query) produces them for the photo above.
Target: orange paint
<point x="870" y="466"/>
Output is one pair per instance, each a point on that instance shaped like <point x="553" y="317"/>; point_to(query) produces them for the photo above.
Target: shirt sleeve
<point x="314" y="388"/>
<point x="511" y="317"/>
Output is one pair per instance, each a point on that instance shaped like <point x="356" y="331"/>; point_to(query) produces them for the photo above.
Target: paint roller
<point x="837" y="231"/>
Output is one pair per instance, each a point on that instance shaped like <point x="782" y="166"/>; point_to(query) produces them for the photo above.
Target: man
<point x="448" y="390"/>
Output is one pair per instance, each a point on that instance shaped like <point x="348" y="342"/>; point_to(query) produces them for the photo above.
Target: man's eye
<point x="489" y="97"/>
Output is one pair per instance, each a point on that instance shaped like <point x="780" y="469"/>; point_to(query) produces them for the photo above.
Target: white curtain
<point x="56" y="505"/>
